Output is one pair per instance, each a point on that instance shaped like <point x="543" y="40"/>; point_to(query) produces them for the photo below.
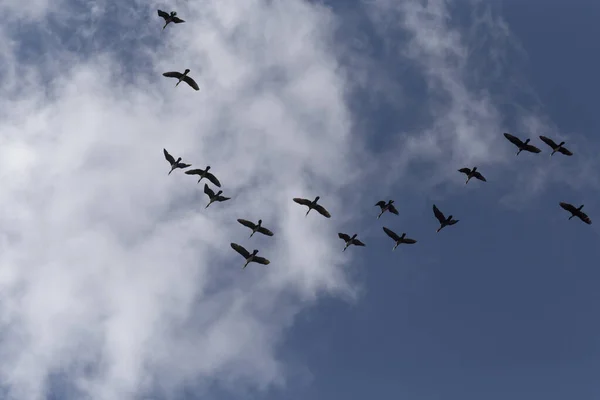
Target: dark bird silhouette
<point x="312" y="205"/>
<point x="398" y="239"/>
<point x="182" y="77"/>
<point x="212" y="196"/>
<point x="203" y="173"/>
<point x="576" y="212"/>
<point x="556" y="147"/>
<point x="174" y="164"/>
<point x="522" y="145"/>
<point x="249" y="257"/>
<point x="443" y="220"/>
<point x="255" y="228"/>
<point x="169" y="18"/>
<point x="470" y="173"/>
<point x="386" y="207"/>
<point x="350" y="240"/>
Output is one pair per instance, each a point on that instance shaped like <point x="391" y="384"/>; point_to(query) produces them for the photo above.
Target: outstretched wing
<point x="321" y="210"/>
<point x="191" y="82"/>
<point x="391" y="234"/>
<point x="261" y="260"/>
<point x="177" y="20"/>
<point x="380" y="204"/>
<point x="222" y="198"/>
<point x="265" y="231"/>
<point x="173" y="74"/>
<point x="169" y="157"/>
<point x="357" y="242"/>
<point x="393" y="210"/>
<point x="584" y="217"/>
<point x="466" y="171"/>
<point x="247" y="223"/>
<point x="569" y="207"/>
<point x="163" y="14"/>
<point x="409" y="241"/>
<point x="549" y="142"/>
<point x="213" y="179"/>
<point x="344" y="237"/>
<point x="183" y="165"/>
<point x="209" y="191"/>
<point x="304" y="202"/>
<point x="479" y="176"/>
<point x="531" y="148"/>
<point x="241" y="250"/>
<point x="195" y="172"/>
<point x="565" y="151"/>
<point x="438" y="214"/>
<point x="513" y="139"/>
<point x="453" y="221"/>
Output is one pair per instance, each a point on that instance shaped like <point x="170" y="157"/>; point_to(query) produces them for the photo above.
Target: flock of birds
<point x="313" y="204"/>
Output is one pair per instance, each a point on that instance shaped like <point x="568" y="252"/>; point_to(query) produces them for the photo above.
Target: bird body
<point x="174" y="163"/>
<point x="182" y="77"/>
<point x="556" y="147"/>
<point x="398" y="239"/>
<point x="249" y="257"/>
<point x="203" y="173"/>
<point x="521" y="145"/>
<point x="442" y="219"/>
<point x="172" y="17"/>
<point x="212" y="196"/>
<point x="472" y="173"/>
<point x="389" y="206"/>
<point x="350" y="240"/>
<point x="312" y="205"/>
<point x="255" y="227"/>
<point x="576" y="212"/>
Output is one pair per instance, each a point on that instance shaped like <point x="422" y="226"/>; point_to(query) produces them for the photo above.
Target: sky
<point x="117" y="283"/>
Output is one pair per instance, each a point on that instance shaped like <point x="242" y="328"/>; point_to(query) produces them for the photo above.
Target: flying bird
<point x="350" y="240"/>
<point x="386" y="207"/>
<point x="212" y="196"/>
<point x="203" y="173"/>
<point x="256" y="227"/>
<point x="470" y="173"/>
<point x="521" y="145"/>
<point x="312" y="205"/>
<point x="169" y="18"/>
<point x="556" y="147"/>
<point x="576" y="212"/>
<point x="443" y="220"/>
<point x="398" y="239"/>
<point x="174" y="164"/>
<point x="182" y="77"/>
<point x="249" y="257"/>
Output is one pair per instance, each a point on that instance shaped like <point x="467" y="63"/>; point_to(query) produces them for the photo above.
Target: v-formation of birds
<point x="313" y="204"/>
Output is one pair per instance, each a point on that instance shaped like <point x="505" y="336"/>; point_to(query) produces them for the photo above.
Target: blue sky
<point x="116" y="283"/>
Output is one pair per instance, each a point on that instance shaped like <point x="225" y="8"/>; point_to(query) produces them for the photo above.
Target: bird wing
<point x="393" y="210"/>
<point x="565" y="151"/>
<point x="209" y="191"/>
<point x="265" y="231"/>
<point x="173" y="74"/>
<point x="409" y="241"/>
<point x="213" y="179"/>
<point x="391" y="234"/>
<point x="549" y="142"/>
<point x="261" y="260"/>
<point x="531" y="148"/>
<point x="241" y="250"/>
<point x="438" y="214"/>
<point x="344" y="237"/>
<point x="453" y="221"/>
<point x="513" y="139"/>
<point x="304" y="202"/>
<point x="169" y="157"/>
<point x="194" y="172"/>
<point x="163" y="14"/>
<point x="247" y="223"/>
<point x="183" y="165"/>
<point x="222" y="198"/>
<point x="479" y="176"/>
<point x="569" y="207"/>
<point x="380" y="204"/>
<point x="177" y="20"/>
<point x="321" y="210"/>
<point x="584" y="217"/>
<point x="465" y="170"/>
<point x="357" y="242"/>
<point x="191" y="82"/>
